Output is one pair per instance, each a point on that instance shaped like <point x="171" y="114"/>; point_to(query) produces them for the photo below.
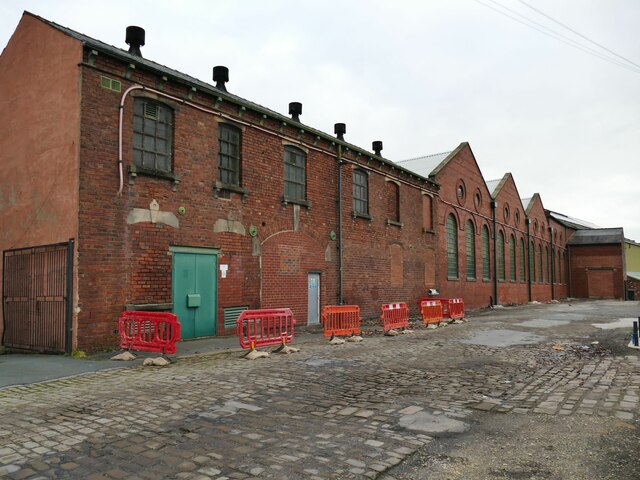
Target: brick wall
<point x="597" y="271"/>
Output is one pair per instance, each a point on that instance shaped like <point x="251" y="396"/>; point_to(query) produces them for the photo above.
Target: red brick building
<point x="172" y="189"/>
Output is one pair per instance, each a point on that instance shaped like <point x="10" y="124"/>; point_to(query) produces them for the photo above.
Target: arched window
<point x="512" y="258"/>
<point x="486" y="270"/>
<point x="532" y="262"/>
<point x="559" y="262"/>
<point x="295" y="174"/>
<point x="523" y="264"/>
<point x="548" y="263"/>
<point x="360" y="192"/>
<point x="471" y="251"/>
<point x="452" y="247"/>
<point x="540" y="271"/>
<point x="565" y="267"/>
<point x="501" y="273"/>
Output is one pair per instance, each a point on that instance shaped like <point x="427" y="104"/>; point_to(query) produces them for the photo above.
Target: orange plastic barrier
<point x="394" y="315"/>
<point x="259" y="328"/>
<point x="149" y="331"/>
<point x="431" y="311"/>
<point x="456" y="308"/>
<point x="341" y="320"/>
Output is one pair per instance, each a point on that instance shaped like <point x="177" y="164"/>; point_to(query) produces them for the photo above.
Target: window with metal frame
<point x="152" y="135"/>
<point x="471" y="251"/>
<point x="522" y="261"/>
<point x="486" y="270"/>
<point x="229" y="166"/>
<point x="540" y="271"/>
<point x="295" y="174"/>
<point x="532" y="262"/>
<point x="452" y="247"/>
<point x="360" y="192"/>
<point x="512" y="258"/>
<point x="501" y="269"/>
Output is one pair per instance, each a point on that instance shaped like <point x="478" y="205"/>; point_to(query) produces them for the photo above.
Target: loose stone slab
<point x="620" y="323"/>
<point x="503" y="338"/>
<point x="429" y="423"/>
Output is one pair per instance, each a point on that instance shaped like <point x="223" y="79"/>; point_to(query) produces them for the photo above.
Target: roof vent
<point x="340" y="129"/>
<point x="135" y="40"/>
<point x="221" y="76"/>
<point x="377" y="147"/>
<point x="295" y="110"/>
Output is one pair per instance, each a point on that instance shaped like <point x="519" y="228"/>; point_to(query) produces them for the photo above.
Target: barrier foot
<point x="354" y="338"/>
<point x="432" y="326"/>
<point x="457" y="321"/>
<point x="156" y="362"/>
<point x="336" y="341"/>
<point x="254" y="354"/>
<point x="391" y="332"/>
<point x="286" y="350"/>
<point x="124" y="356"/>
<point x="406" y="331"/>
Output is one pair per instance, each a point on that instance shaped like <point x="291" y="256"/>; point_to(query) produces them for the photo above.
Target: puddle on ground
<point x="543" y="323"/>
<point x="620" y="323"/>
<point x="503" y="338"/>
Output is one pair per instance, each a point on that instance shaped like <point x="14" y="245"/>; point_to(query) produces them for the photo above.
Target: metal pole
<point x="69" y="306"/>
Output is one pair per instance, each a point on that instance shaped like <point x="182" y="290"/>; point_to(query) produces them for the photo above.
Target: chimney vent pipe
<point x="295" y="110"/>
<point x="221" y="76"/>
<point x="135" y="39"/>
<point x="377" y="147"/>
<point x="340" y="129"/>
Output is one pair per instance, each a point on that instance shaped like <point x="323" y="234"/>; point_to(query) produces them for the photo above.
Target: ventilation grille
<point x="231" y="315"/>
<point x="110" y="84"/>
<point x="151" y="111"/>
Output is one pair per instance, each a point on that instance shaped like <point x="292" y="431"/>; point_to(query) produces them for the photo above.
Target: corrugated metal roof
<point x="424" y="165"/>
<point x="203" y="86"/>
<point x="526" y="202"/>
<point x="571" y="222"/>
<point x="596" y="236"/>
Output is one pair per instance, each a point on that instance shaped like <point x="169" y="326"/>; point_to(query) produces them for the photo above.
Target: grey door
<point x="313" y="303"/>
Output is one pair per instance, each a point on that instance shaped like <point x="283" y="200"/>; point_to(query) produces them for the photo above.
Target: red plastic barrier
<point x="394" y="315"/>
<point x="149" y="331"/>
<point x="260" y="328"/>
<point x="456" y="308"/>
<point x="341" y="320"/>
<point x="431" y="311"/>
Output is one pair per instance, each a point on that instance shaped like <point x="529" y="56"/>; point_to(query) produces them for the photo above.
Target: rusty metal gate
<point x="37" y="289"/>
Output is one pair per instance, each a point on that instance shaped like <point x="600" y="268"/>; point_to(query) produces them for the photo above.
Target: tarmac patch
<point x="433" y="424"/>
<point x="620" y="323"/>
<point x="503" y="338"/>
<point x="543" y="323"/>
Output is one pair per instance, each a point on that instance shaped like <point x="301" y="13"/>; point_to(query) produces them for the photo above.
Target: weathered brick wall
<point x="597" y="271"/>
<point x="123" y="263"/>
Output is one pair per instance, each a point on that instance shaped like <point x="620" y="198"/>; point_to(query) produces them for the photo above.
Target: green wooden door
<point x="195" y="293"/>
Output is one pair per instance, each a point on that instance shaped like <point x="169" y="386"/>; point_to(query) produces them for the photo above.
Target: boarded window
<point x="452" y="247"/>
<point x="471" y="251"/>
<point x="152" y="135"/>
<point x="486" y="270"/>
<point x="229" y="154"/>
<point x="295" y="174"/>
<point x="360" y="192"/>
<point x="501" y="268"/>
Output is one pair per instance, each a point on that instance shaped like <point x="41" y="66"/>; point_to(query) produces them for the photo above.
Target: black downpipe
<point x="553" y="265"/>
<point x="528" y="223"/>
<point x="494" y="207"/>
<point x="69" y="292"/>
<point x="340" y="224"/>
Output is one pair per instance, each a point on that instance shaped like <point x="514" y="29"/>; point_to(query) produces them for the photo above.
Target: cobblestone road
<point x="326" y="412"/>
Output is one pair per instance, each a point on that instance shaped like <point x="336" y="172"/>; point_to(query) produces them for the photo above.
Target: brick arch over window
<point x="452" y="246"/>
<point x="470" y="236"/>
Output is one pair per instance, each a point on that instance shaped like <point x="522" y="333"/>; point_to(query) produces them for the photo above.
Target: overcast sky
<point x="422" y="76"/>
